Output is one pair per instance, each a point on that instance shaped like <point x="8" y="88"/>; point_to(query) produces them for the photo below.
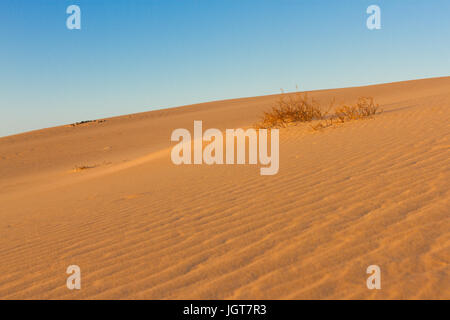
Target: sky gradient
<point x="136" y="55"/>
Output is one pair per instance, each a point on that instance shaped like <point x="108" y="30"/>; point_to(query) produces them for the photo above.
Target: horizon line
<point x="223" y="100"/>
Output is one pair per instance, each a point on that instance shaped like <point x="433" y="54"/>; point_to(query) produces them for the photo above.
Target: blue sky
<point x="136" y="55"/>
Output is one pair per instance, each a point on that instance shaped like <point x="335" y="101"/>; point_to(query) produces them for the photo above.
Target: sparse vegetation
<point x="86" y="121"/>
<point x="292" y="108"/>
<point x="81" y="168"/>
<point x="365" y="107"/>
<point x="298" y="107"/>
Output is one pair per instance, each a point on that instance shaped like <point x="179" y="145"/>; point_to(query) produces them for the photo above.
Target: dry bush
<point x="363" y="108"/>
<point x="86" y="122"/>
<point x="81" y="168"/>
<point x="299" y="108"/>
<point x="290" y="109"/>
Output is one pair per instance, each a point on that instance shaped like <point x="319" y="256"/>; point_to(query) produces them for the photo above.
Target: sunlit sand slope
<point x="367" y="192"/>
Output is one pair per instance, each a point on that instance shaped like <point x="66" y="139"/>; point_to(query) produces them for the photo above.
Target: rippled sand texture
<point x="106" y="196"/>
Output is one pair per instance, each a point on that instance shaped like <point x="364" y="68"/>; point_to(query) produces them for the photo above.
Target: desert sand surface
<point x="366" y="192"/>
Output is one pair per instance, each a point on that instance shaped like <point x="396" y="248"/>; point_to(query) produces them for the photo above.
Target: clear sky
<point x="139" y="55"/>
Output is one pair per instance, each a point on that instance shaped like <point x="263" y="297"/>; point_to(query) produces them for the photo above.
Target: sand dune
<point x="365" y="192"/>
